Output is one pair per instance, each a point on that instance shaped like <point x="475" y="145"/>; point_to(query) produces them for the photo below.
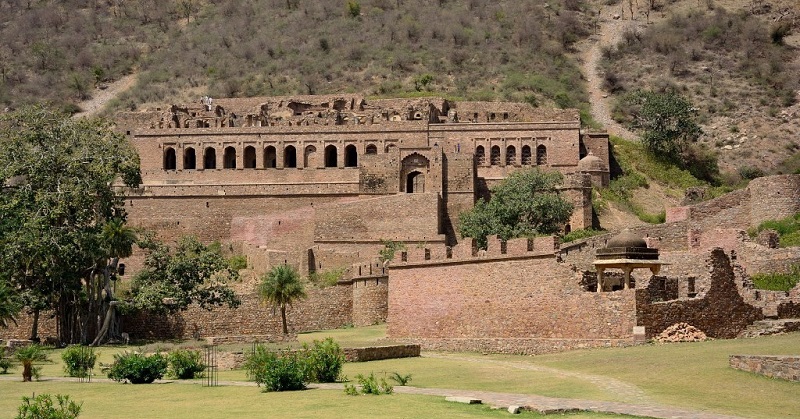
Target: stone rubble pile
<point x="681" y="332"/>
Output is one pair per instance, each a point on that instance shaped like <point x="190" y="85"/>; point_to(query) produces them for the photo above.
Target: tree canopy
<point x="280" y="287"/>
<point x="525" y="204"/>
<point x="191" y="273"/>
<point x="58" y="178"/>
<point x="667" y="121"/>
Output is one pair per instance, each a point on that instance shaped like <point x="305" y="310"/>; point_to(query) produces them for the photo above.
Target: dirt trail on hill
<point x="609" y="33"/>
<point x="100" y="97"/>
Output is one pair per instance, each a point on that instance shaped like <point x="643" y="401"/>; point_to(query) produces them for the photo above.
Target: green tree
<point x="280" y="287"/>
<point x="10" y="303"/>
<point x="525" y="204"/>
<point x="192" y="273"/>
<point x="58" y="177"/>
<point x="667" y="120"/>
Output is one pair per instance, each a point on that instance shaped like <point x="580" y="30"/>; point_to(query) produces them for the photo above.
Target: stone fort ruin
<point x="319" y="182"/>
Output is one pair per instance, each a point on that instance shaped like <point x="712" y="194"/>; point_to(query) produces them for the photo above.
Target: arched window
<point x="189" y="159"/>
<point x="169" y="159"/>
<point x="391" y="148"/>
<point x="330" y="156"/>
<point x="372" y="149"/>
<point x="290" y="156"/>
<point x="526" y="155"/>
<point x="541" y="155"/>
<point x="495" y="157"/>
<point x="270" y="157"/>
<point x="511" y="156"/>
<point x="309" y="159"/>
<point x="350" y="156"/>
<point x="480" y="155"/>
<point x="210" y="159"/>
<point x="229" y="159"/>
<point x="249" y="157"/>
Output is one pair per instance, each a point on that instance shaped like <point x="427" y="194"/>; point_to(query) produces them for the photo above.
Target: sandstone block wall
<point x="502" y="300"/>
<point x="375" y="353"/>
<point x="325" y="308"/>
<point x="404" y="217"/>
<point x="786" y="367"/>
<point x="774" y="197"/>
<point x="370" y="300"/>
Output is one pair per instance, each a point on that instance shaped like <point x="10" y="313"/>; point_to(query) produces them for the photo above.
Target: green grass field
<point x="690" y="376"/>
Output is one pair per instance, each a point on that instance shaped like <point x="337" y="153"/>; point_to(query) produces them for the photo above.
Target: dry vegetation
<point x="737" y="61"/>
<point x="475" y="49"/>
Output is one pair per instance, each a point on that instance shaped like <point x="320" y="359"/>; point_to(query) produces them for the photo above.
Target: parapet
<point x="467" y="250"/>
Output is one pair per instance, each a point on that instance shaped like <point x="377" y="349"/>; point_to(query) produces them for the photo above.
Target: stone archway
<point x="414" y="171"/>
<point x="415" y="182"/>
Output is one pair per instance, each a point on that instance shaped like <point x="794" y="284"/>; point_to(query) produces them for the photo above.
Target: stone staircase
<point x="770" y="327"/>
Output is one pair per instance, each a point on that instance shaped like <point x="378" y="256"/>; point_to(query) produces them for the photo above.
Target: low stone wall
<point x="517" y="346"/>
<point x="234" y="360"/>
<point x="232" y="340"/>
<point x="786" y="367"/>
<point x="375" y="353"/>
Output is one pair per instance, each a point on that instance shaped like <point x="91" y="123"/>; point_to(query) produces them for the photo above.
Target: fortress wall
<point x="325" y="308"/>
<point x="406" y="217"/>
<point x="370" y="300"/>
<point x="279" y="222"/>
<point x="773" y="198"/>
<point x="502" y="300"/>
<point x="720" y="312"/>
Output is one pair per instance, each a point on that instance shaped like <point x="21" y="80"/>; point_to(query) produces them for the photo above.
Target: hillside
<point x="736" y="60"/>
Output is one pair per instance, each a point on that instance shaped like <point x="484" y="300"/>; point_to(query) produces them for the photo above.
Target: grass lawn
<point x="691" y="376"/>
<point x="111" y="400"/>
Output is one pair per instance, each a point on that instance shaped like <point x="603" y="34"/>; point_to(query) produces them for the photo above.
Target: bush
<point x="5" y="363"/>
<point x="138" y="368"/>
<point x="324" y="361"/>
<point x="78" y="360"/>
<point x="369" y="385"/>
<point x="186" y="364"/>
<point x="400" y="379"/>
<point x="580" y="234"/>
<point x="42" y="407"/>
<point x="276" y="371"/>
<point x="777" y="281"/>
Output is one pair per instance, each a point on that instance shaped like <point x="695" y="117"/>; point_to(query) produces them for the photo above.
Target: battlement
<point x="466" y="250"/>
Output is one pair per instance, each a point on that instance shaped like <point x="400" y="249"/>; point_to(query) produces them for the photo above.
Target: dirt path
<point x="101" y="97"/>
<point x="609" y="33"/>
<point x="620" y="388"/>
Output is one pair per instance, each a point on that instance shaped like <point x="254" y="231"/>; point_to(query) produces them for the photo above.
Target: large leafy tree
<point x="280" y="287"/>
<point x="667" y="120"/>
<point x="58" y="178"/>
<point x="525" y="204"/>
<point x="191" y="273"/>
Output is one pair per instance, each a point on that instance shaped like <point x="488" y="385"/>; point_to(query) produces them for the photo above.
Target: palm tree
<point x="27" y="356"/>
<point x="280" y="287"/>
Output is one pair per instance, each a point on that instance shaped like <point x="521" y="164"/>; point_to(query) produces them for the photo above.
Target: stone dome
<point x="592" y="163"/>
<point x="626" y="239"/>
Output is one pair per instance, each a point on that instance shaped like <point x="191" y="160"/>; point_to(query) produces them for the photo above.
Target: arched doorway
<point x="350" y="156"/>
<point x="249" y="157"/>
<point x="290" y="156"/>
<point x="309" y="159"/>
<point x="229" y="159"/>
<point x="189" y="159"/>
<point x="210" y="159"/>
<point x="331" y="156"/>
<point x="270" y="157"/>
<point x="415" y="182"/>
<point x="170" y="161"/>
<point x="414" y="169"/>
